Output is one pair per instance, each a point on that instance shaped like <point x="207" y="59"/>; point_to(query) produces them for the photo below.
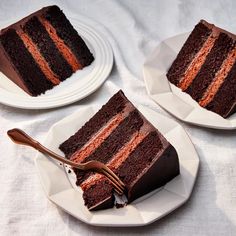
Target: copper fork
<point x="20" y="137"/>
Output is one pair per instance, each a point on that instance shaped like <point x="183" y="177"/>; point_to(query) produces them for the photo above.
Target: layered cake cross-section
<point x="205" y="68"/>
<point x="41" y="50"/>
<point x="122" y="138"/>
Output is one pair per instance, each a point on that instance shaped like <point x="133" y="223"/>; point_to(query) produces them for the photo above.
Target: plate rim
<point x="184" y="199"/>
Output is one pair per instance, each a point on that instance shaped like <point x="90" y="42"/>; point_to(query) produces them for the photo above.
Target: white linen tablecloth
<point x="134" y="29"/>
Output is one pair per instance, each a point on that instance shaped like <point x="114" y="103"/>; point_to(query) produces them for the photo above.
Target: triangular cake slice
<point x="41" y="50"/>
<point x="121" y="137"/>
<point x="205" y="68"/>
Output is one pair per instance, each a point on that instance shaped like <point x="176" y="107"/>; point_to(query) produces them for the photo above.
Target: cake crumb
<point x="120" y="201"/>
<point x="118" y="205"/>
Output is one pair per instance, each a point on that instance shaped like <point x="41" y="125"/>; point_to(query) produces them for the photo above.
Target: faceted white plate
<point x="144" y="210"/>
<point x="79" y="85"/>
<point x="171" y="98"/>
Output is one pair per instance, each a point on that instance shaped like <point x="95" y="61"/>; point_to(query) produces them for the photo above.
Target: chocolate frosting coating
<point x="6" y="66"/>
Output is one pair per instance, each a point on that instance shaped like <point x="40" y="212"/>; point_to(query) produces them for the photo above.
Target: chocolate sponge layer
<point x="190" y="48"/>
<point x="69" y="35"/>
<point x="47" y="48"/>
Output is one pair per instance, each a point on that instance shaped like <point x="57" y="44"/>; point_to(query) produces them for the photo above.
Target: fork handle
<point x="20" y="137"/>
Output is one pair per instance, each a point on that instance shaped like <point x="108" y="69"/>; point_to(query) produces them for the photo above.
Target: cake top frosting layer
<point x="218" y="29"/>
<point x="20" y="23"/>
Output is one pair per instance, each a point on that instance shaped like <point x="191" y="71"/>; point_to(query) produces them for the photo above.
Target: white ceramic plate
<point x="79" y="85"/>
<point x="144" y="210"/>
<point x="171" y="98"/>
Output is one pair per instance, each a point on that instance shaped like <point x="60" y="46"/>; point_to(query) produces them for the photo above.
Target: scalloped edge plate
<point x="171" y="98"/>
<point x="143" y="211"/>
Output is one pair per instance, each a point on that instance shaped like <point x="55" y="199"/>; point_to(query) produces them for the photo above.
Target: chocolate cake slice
<point x="121" y="137"/>
<point x="205" y="68"/>
<point x="41" y="50"/>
